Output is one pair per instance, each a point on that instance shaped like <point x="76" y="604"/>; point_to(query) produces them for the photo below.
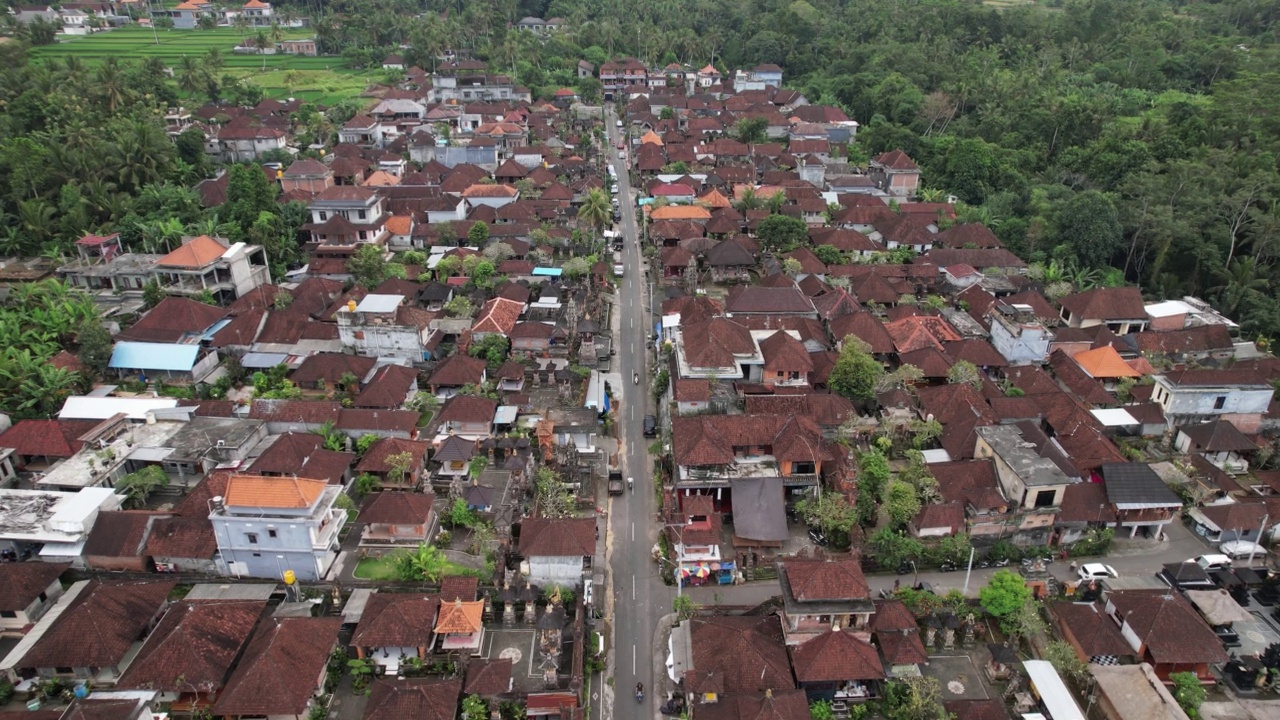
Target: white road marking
<point x="633" y="532"/>
<point x="635" y="669"/>
<point x="633" y="587"/>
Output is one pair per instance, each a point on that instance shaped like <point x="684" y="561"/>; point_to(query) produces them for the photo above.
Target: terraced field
<point x="318" y="79"/>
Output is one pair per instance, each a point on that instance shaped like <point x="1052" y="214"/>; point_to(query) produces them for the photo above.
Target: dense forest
<point x="1110" y="140"/>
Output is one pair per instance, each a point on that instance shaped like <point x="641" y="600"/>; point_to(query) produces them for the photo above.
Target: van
<point x="618" y="270"/>
<point x="1213" y="562"/>
<point x="619" y="122"/>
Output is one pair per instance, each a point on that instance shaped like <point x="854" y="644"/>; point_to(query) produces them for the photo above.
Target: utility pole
<point x="1261" y="531"/>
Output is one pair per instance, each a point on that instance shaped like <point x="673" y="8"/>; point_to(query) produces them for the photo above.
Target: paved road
<point x="639" y="597"/>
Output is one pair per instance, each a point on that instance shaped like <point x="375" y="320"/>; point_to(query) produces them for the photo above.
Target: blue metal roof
<point x="550" y="272"/>
<point x="154" y="356"/>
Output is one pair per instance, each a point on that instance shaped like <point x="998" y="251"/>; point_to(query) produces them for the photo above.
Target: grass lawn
<point x="316" y="79"/>
<point x="384" y="568"/>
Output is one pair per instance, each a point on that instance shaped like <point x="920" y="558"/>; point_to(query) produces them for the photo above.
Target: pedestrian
<point x="896" y="585"/>
<point x="1074" y="565"/>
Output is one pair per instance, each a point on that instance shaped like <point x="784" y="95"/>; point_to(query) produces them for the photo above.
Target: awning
<point x="1217" y="606"/>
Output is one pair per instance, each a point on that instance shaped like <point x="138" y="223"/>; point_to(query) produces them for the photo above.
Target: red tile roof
<point x="418" y="698"/>
<point x="279" y="671"/>
<point x="397" y="620"/>
<point x="1123" y="303"/>
<point x="836" y="655"/>
<point x="22" y="583"/>
<point x="172" y="320"/>
<point x="375" y="458"/>
<point x="330" y="367"/>
<point x="194" y="646"/>
<point x="733" y="655"/>
<point x="822" y="580"/>
<point x="47" y="438"/>
<point x="98" y="626"/>
<point x="498" y="315"/>
<point x="117" y="534"/>
<point x="488" y="677"/>
<point x="458" y="370"/>
<point x="186" y="538"/>
<point x="562" y="537"/>
<point x="194" y="254"/>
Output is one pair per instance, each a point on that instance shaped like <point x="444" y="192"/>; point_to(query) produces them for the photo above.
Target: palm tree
<point x="596" y="210"/>
<point x="142" y="153"/>
<point x="37" y="220"/>
<point x="776" y="201"/>
<point x="192" y="75"/>
<point x="111" y="83"/>
<point x="241" y="24"/>
<point x="748" y="199"/>
<point x="1237" y="283"/>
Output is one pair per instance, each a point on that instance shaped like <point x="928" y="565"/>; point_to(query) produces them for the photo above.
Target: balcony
<point x="754" y="466"/>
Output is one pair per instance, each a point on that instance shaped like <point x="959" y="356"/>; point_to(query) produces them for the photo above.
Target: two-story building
<point x="385" y="326"/>
<point x="895" y="173"/>
<point x="1119" y="308"/>
<point x="619" y="77"/>
<point x="1018" y="335"/>
<point x="203" y="263"/>
<point x="1142" y="501"/>
<point x="1189" y="397"/>
<point x="306" y="175"/>
<point x="1033" y="472"/>
<point x="818" y="595"/>
<point x="267" y="525"/>
<point x="29" y="589"/>
<point x="346" y="215"/>
<point x="558" y="551"/>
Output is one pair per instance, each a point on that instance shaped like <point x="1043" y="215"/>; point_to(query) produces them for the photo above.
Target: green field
<point x="317" y="79"/>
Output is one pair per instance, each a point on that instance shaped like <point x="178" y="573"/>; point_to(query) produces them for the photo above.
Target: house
<point x="331" y="370"/>
<point x="1120" y="309"/>
<point x="818" y="595"/>
<point x="388" y="387"/>
<point x="498" y="316"/>
<point x="1091" y="632"/>
<point x="1018" y="334"/>
<point x="385" y="326"/>
<point x="895" y="173"/>
<point x="183" y="544"/>
<point x="392" y="517"/>
<point x="724" y="657"/>
<point x="267" y="525"/>
<point x="183" y="363"/>
<point x="302" y="454"/>
<point x="697" y="542"/>
<point x="786" y="361"/>
<point x="1227" y="521"/>
<point x="1085" y="507"/>
<point x="939" y="520"/>
<point x="897" y="634"/>
<point x="775" y="301"/>
<point x="1141" y="499"/>
<point x="39" y="444"/>
<point x="460" y="626"/>
<point x="454" y="455"/>
<point x="174" y="320"/>
<point x="1166" y="632"/>
<point x="558" y="551"/>
<point x="837" y="665"/>
<point x="397" y="463"/>
<point x="306" y="175"/>
<point x="282" y="671"/>
<point x="246" y="138"/>
<point x="305" y="47"/>
<point x="90" y="632"/>
<point x="117" y="541"/>
<point x="394" y="627"/>
<point x="1129" y="692"/>
<point x="468" y="416"/>
<point x="345" y="215"/>
<point x="779" y="705"/>
<point x="1032" y="470"/>
<point x="420" y="698"/>
<point x="1187" y="397"/>
<point x="454" y="373"/>
<point x="189" y="656"/>
<point x="27" y="590"/>
<point x="1219" y="442"/>
<point x="489" y="678"/>
<point x="207" y="264"/>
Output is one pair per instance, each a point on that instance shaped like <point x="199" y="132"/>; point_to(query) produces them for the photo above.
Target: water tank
<point x="289" y="577"/>
<point x="351" y="306"/>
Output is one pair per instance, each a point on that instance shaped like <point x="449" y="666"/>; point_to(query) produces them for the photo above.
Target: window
<point x="364" y="235"/>
<point x="271" y="533"/>
<point x="1220" y="402"/>
<point x="8" y="614"/>
<point x="360" y="214"/>
<point x="1045" y="498"/>
<point x="323" y="216"/>
<point x="252" y="538"/>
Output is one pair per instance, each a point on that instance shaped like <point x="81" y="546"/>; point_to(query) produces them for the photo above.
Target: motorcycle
<point x="1001" y="563"/>
<point x="635" y="377"/>
<point x="947" y="567"/>
<point x="639" y="693"/>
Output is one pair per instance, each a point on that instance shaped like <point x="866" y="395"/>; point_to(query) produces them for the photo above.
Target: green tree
<point x="152" y="294"/>
<point x="782" y="233"/>
<point x="830" y="512"/>
<point x="855" y="373"/>
<point x="1089" y="226"/>
<point x="1189" y="692"/>
<point x="478" y="235"/>
<point x="368" y="266"/>
<point x="95" y="345"/>
<point x="493" y="348"/>
<point x="892" y="548"/>
<point x="1004" y="594"/>
<point x="273" y="385"/>
<point x="136" y="486"/>
<point x="830" y="255"/>
<point x="596" y="210"/>
<point x="914" y="698"/>
<point x="249" y="194"/>
<point x="460" y="515"/>
<point x="684" y="607"/>
<point x="460" y="307"/>
<point x="426" y="564"/>
<point x="901" y="503"/>
<point x="965" y="373"/>
<point x="474" y="708"/>
<point x="751" y="130"/>
<point x="1064" y="659"/>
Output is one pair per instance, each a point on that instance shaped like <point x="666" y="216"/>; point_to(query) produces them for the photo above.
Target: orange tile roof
<point x="400" y="224"/>
<point x="651" y="137"/>
<point x="195" y="254"/>
<point x="256" y="4"/>
<point x="460" y="618"/>
<point x="1105" y="362"/>
<point x="714" y="198"/>
<point x="489" y="191"/>
<point x="273" y="492"/>
<point x="680" y="212"/>
<point x="381" y="178"/>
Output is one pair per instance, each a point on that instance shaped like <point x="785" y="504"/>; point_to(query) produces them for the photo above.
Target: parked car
<point x="650" y="426"/>
<point x="1212" y="562"/>
<point x="1096" y="571"/>
<point x="1242" y="549"/>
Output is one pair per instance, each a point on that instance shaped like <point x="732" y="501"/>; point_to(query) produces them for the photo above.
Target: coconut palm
<point x="111" y="83"/>
<point x="596" y="210"/>
<point x="1238" y="282"/>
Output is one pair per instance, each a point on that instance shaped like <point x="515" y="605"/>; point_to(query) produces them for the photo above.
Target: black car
<point x="650" y="426"/>
<point x="617" y="214"/>
<point x="1228" y="636"/>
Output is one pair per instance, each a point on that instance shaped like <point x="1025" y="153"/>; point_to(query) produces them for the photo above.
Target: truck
<point x="615" y="483"/>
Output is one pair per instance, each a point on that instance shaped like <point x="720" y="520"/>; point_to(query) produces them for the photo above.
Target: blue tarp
<point x="154" y="356"/>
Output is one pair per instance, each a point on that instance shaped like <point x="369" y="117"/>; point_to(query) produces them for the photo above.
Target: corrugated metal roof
<point x="154" y="356"/>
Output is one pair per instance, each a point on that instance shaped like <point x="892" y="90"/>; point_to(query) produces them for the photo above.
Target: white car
<point x="1096" y="571"/>
<point x="1242" y="549"/>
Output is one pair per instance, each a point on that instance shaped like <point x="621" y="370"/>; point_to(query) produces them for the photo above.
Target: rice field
<point x="317" y="79"/>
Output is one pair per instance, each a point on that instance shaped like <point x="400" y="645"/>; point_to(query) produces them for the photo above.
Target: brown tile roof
<point x="1092" y="630"/>
<point x="1239" y="516"/>
<point x="948" y="403"/>
<point x="181" y="537"/>
<point x="941" y="515"/>
<point x="468" y="409"/>
<point x="1087" y="503"/>
<point x="978" y="258"/>
<point x="902" y="647"/>
<point x="458" y="617"/>
<point x="712" y="439"/>
<point x="387" y="388"/>
<point x="279" y="670"/>
<point x="1169" y="628"/>
<point x="992" y="709"/>
<point x="749" y="299"/>
<point x="458" y="370"/>
<point x="818" y="580"/>
<point x="99" y="626"/>
<point x="47" y="438"/>
<point x="972" y="482"/>
<point x="454" y="587"/>
<point x="774" y="705"/>
<point x="866" y="327"/>
<point x="194" y="646"/>
<point x="714" y="342"/>
<point x="397" y="508"/>
<point x="418" y="698"/>
<point x="488" y="677"/>
<point x="1215" y="378"/>
<point x="1123" y="303"/>
<point x="973" y="234"/>
<point x="172" y="320"/>
<point x="978" y="352"/>
<point x="826" y="409"/>
<point x="118" y="533"/>
<point x="892" y="616"/>
<point x="836" y="655"/>
<point x="194" y="254"/>
<point x="397" y="620"/>
<point x="1078" y="381"/>
<point x="22" y="583"/>
<point x="196" y="502"/>
<point x="301" y="454"/>
<point x="375" y="458"/>
<point x="738" y="655"/>
<point x="1190" y="340"/>
<point x="330" y="367"/>
<point x="378" y="421"/>
<point x="896" y="160"/>
<point x="563" y="537"/>
<point x="255" y="491"/>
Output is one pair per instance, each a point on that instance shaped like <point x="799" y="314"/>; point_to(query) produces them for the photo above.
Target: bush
<point x="1189" y="693"/>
